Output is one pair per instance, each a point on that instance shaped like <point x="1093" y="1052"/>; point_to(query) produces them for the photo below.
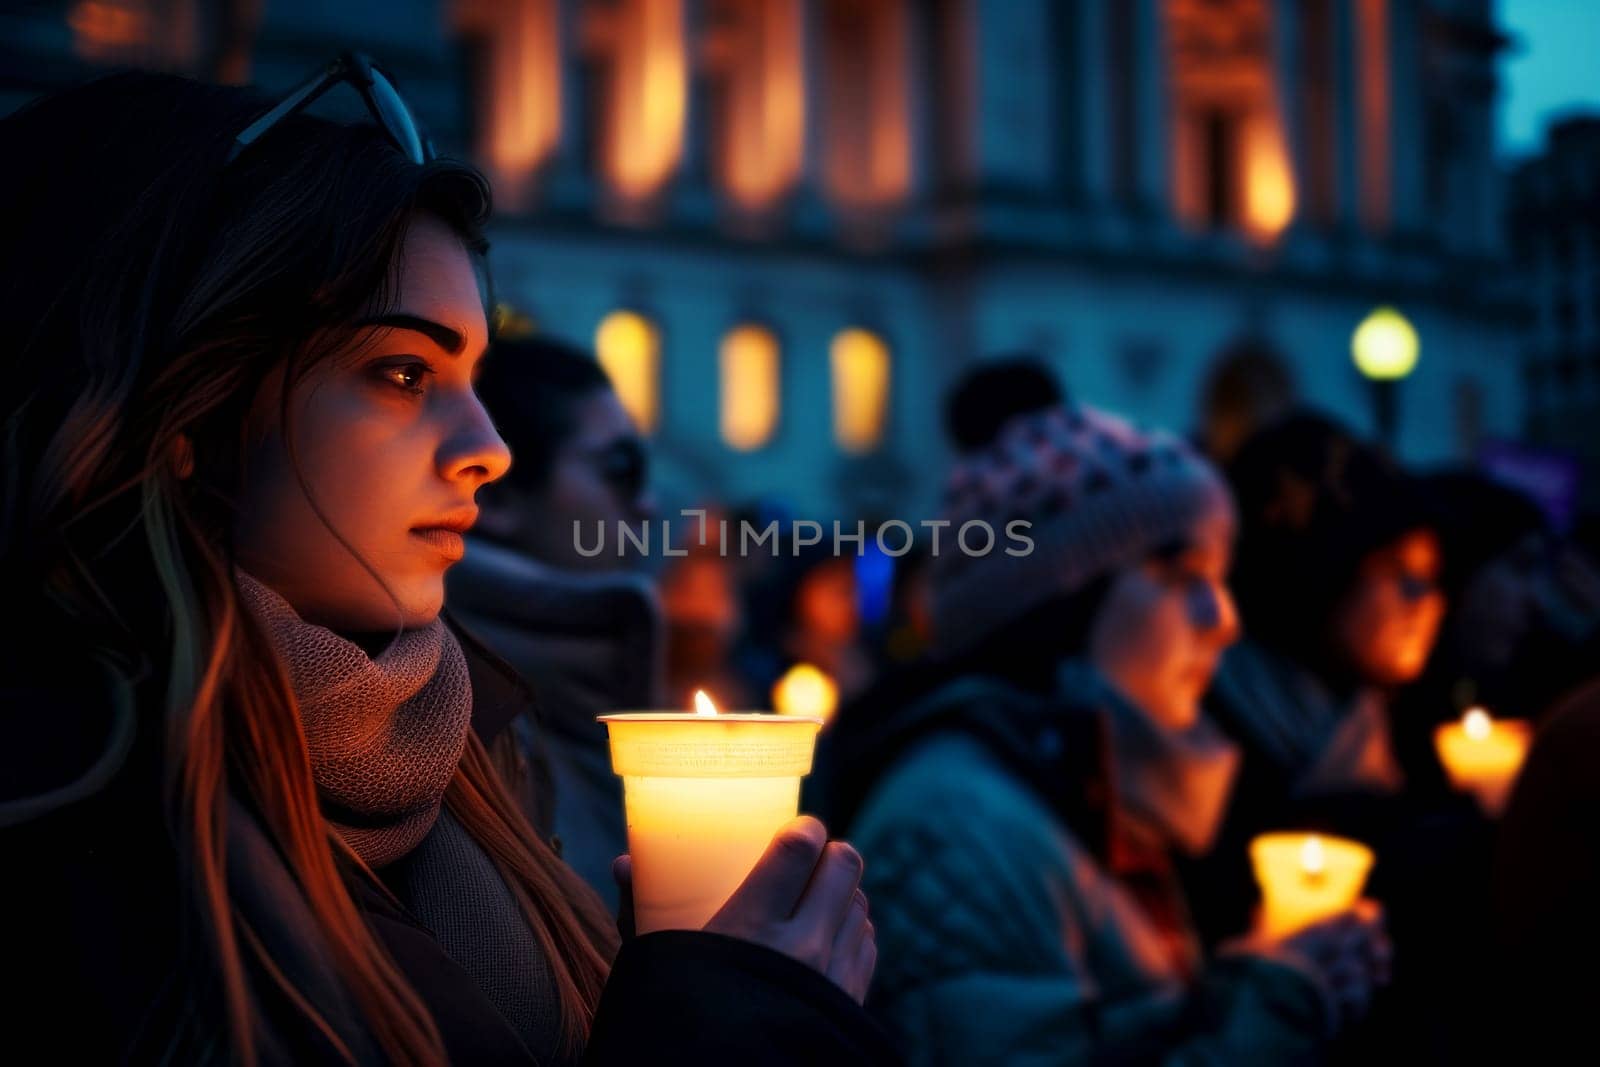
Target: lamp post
<point x="1385" y="349"/>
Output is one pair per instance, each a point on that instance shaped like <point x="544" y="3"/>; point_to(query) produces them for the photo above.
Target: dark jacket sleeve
<point x="679" y="995"/>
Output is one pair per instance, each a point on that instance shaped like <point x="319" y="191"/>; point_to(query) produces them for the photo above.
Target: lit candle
<point x="704" y="794"/>
<point x="1483" y="756"/>
<point x="1306" y="878"/>
<point x="805" y="690"/>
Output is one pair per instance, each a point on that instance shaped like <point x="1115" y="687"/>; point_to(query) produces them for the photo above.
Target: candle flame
<point x="702" y="703"/>
<point x="1477" y="724"/>
<point x="1312" y="858"/>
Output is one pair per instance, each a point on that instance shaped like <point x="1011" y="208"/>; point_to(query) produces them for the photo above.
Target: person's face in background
<point x="1386" y="625"/>
<point x="1164" y="624"/>
<point x="392" y="444"/>
<point x="599" y="475"/>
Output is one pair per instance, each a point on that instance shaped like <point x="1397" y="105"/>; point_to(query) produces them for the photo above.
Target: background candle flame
<point x="1477" y="724"/>
<point x="1312" y="858"/>
<point x="702" y="703"/>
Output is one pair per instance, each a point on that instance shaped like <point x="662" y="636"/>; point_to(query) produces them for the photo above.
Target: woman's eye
<point x="408" y="376"/>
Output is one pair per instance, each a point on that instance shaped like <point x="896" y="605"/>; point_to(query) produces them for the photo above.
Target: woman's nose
<point x="475" y="450"/>
<point x="1215" y="613"/>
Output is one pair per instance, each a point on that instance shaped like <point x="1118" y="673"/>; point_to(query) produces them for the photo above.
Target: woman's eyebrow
<point x="452" y="341"/>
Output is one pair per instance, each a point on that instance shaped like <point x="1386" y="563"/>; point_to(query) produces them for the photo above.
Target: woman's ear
<point x="181" y="455"/>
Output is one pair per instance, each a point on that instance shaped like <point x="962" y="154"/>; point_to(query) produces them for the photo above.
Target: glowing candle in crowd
<point x="1483" y="756"/>
<point x="1306" y="878"/>
<point x="805" y="690"/>
<point x="704" y="794"/>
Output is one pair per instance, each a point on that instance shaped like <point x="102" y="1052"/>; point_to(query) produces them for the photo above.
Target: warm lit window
<point x="1230" y="161"/>
<point x="514" y="63"/>
<point x="753" y="52"/>
<point x="750" y="387"/>
<point x="860" y="363"/>
<point x="866" y="79"/>
<point x="643" y="62"/>
<point x="629" y="348"/>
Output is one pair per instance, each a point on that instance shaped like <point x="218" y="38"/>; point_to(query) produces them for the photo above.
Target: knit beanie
<point x="1097" y="493"/>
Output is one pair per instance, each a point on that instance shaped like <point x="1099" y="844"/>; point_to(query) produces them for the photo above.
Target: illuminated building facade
<point x="786" y="225"/>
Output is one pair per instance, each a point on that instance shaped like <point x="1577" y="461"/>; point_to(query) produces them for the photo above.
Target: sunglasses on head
<point x="377" y="91"/>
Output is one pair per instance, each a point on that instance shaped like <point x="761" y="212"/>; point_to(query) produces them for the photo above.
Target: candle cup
<point x="704" y="795"/>
<point x="1487" y="765"/>
<point x="1294" y="896"/>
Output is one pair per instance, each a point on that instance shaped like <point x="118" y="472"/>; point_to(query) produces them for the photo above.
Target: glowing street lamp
<point x="1385" y="349"/>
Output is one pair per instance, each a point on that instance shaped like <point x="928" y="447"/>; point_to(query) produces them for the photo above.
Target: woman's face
<point x="1164" y="625"/>
<point x="1386" y="626"/>
<point x="392" y="445"/>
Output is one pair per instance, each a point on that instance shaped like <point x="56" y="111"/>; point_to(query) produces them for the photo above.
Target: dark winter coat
<point x="91" y="905"/>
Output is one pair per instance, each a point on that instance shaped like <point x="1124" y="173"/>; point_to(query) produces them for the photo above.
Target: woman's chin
<point x="414" y="605"/>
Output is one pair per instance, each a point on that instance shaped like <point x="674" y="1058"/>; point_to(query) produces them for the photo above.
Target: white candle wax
<point x="1483" y="756"/>
<point x="1305" y="878"/>
<point x="704" y="795"/>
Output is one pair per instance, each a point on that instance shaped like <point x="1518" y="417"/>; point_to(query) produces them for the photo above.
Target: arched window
<point x="643" y="64"/>
<point x="755" y="56"/>
<point x="859" y="361"/>
<point x="629" y="348"/>
<point x="751" y="388"/>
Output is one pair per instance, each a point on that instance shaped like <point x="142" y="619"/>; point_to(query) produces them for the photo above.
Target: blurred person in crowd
<point x="582" y="470"/>
<point x="1338" y="576"/>
<point x="585" y="630"/>
<point x="1020" y="798"/>
<point x="994" y="392"/>
<point x="701" y="601"/>
<point x="1524" y="621"/>
<point x="823" y="624"/>
<point x="1539" y="993"/>
<point x="1249" y="387"/>
<point x="247" y="807"/>
<point x="908" y="633"/>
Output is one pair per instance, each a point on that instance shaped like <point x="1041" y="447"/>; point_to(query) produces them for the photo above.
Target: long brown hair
<point x="147" y="293"/>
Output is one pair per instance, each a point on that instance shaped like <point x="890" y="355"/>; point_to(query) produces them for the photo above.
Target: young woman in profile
<point x="247" y="804"/>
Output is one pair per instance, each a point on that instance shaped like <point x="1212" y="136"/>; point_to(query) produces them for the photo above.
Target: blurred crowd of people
<point x="299" y="760"/>
<point x="1054" y="763"/>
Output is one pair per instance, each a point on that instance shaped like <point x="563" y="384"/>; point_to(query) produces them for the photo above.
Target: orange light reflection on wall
<point x="1269" y="182"/>
<point x="523" y="125"/>
<point x="761" y="140"/>
<point x="867" y="160"/>
<point x="648" y="95"/>
<point x="1372" y="18"/>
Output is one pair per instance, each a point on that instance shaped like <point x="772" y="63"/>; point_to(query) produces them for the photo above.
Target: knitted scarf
<point x="385" y="734"/>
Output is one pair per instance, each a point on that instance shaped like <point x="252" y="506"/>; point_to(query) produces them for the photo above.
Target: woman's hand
<point x="1350" y="953"/>
<point x="802" y="898"/>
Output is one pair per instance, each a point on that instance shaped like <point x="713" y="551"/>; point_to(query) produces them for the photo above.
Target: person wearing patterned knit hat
<point x="1020" y="807"/>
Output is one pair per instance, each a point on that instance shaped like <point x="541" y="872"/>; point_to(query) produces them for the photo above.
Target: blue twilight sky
<point x="1552" y="66"/>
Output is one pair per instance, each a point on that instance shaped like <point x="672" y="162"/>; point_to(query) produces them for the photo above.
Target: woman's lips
<point x="449" y="543"/>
